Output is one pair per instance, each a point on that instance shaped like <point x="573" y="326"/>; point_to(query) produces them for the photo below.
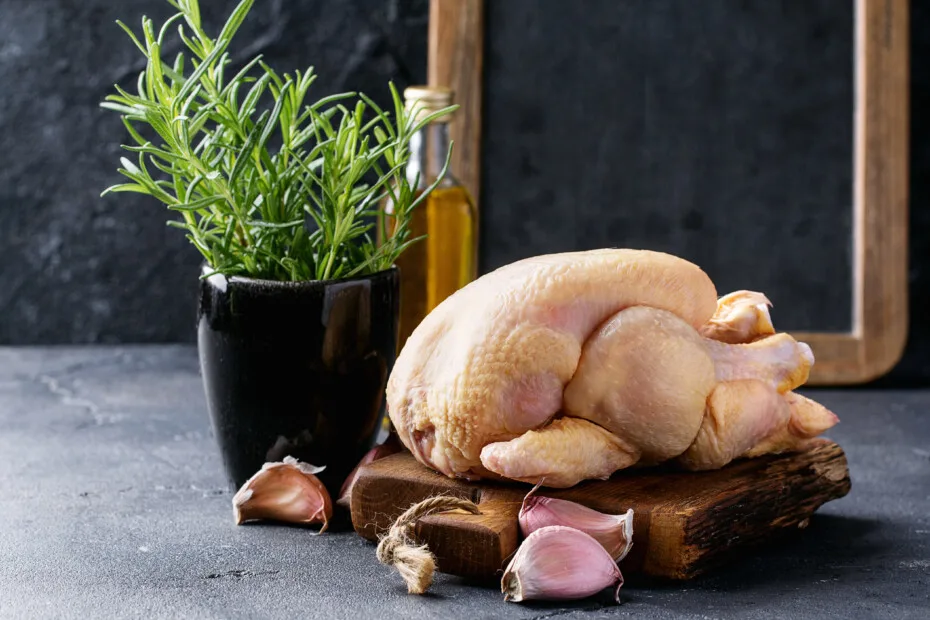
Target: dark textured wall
<point x="77" y="268"/>
<point x="718" y="131"/>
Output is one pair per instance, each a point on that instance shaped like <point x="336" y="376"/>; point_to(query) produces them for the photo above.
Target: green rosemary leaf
<point x="128" y="165"/>
<point x="276" y="82"/>
<point x="237" y="80"/>
<point x="164" y="29"/>
<point x="118" y="107"/>
<point x="177" y="72"/>
<point x="235" y="20"/>
<point x="192" y="187"/>
<point x="325" y="101"/>
<point x="129" y="99"/>
<point x="197" y="204"/>
<point x="428" y="118"/>
<point x="309" y="132"/>
<point x="199" y="72"/>
<point x="220" y="72"/>
<point x="381" y="117"/>
<point x="171" y="171"/>
<point x="244" y="157"/>
<point x="322" y="122"/>
<point x="145" y="86"/>
<point x="191" y="10"/>
<point x="277" y="225"/>
<point x="155" y="152"/>
<point x="434" y="184"/>
<point x="132" y="132"/>
<point x="398" y="108"/>
<point x="251" y="99"/>
<point x="132" y="36"/>
<point x="203" y="115"/>
<point x="272" y="120"/>
<point x="191" y="44"/>
<point x="125" y="187"/>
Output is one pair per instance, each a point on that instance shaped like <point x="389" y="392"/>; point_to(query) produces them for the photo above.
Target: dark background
<point x="75" y="268"/>
<point x="719" y="131"/>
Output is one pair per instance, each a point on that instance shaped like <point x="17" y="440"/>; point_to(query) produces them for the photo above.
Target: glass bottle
<point x="433" y="268"/>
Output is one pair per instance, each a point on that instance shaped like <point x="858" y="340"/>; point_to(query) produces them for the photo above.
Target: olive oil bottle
<point x="435" y="267"/>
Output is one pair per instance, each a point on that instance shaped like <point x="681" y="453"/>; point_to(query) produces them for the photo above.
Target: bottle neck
<point x="428" y="150"/>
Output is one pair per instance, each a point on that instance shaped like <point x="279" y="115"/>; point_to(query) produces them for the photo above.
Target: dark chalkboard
<point x="721" y="131"/>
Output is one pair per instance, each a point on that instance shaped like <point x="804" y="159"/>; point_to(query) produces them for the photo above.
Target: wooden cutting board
<point x="684" y="523"/>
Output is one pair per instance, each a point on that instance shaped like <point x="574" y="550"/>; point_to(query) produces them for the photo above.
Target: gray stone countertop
<point x="114" y="505"/>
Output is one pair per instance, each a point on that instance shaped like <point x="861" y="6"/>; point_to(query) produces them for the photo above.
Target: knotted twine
<point x="398" y="548"/>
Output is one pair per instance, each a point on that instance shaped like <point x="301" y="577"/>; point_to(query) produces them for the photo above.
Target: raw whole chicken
<point x="567" y="367"/>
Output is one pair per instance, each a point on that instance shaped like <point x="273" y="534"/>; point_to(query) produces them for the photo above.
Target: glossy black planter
<point x="297" y="369"/>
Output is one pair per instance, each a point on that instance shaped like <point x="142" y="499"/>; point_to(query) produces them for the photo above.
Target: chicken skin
<point x="571" y="366"/>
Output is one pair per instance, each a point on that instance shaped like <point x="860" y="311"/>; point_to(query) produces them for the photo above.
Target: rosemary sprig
<point x="302" y="210"/>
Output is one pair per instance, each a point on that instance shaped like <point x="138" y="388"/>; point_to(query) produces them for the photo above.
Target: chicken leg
<point x="740" y="414"/>
<point x="560" y="455"/>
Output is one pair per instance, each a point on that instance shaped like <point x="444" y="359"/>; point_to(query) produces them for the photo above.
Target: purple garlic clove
<point x="288" y="491"/>
<point x="614" y="532"/>
<point x="559" y="563"/>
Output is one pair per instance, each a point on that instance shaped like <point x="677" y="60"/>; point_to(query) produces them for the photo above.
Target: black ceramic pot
<point x="297" y="369"/>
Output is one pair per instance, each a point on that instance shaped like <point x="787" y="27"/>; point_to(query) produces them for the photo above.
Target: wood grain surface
<point x="456" y="53"/>
<point x="880" y="204"/>
<point x="684" y="523"/>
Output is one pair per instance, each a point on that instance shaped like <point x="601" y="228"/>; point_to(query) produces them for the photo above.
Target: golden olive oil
<point x="433" y="268"/>
<point x="446" y="260"/>
<point x="450" y="242"/>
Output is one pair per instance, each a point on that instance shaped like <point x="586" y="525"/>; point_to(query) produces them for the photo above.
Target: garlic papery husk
<point x="559" y="563"/>
<point x="288" y="491"/>
<point x="614" y="532"/>
<point x="378" y="452"/>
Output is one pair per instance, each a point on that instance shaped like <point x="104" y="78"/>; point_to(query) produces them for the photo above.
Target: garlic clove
<point x="559" y="563"/>
<point x="288" y="491"/>
<point x="378" y="452"/>
<point x="614" y="532"/>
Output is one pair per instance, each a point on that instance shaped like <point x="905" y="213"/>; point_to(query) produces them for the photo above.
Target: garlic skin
<point x="378" y="452"/>
<point x="559" y="563"/>
<point x="288" y="491"/>
<point x="614" y="532"/>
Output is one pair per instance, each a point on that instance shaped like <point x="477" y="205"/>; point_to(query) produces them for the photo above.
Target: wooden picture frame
<point x="879" y="305"/>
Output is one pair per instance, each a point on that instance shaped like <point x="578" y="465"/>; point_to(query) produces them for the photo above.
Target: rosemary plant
<point x="302" y="209"/>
